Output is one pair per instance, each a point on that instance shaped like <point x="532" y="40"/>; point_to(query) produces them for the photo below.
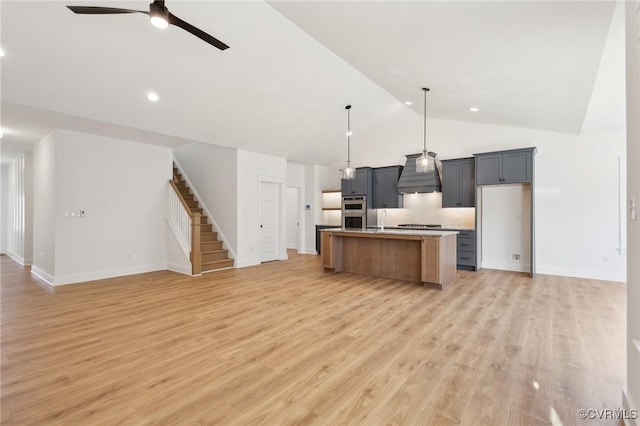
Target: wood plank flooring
<point x="286" y="343"/>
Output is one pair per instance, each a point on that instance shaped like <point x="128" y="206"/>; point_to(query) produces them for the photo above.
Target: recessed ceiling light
<point x="409" y="103"/>
<point x="474" y="109"/>
<point x="153" y="97"/>
<point x="1" y="52"/>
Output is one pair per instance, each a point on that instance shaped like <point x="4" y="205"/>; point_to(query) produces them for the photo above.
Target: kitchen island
<point x="428" y="257"/>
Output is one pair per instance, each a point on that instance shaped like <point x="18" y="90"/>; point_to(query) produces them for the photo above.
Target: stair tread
<point x="214" y="251"/>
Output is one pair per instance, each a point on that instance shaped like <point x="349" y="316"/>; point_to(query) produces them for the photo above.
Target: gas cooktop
<point x="419" y="226"/>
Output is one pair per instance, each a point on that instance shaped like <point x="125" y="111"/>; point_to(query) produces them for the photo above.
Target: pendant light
<point x="348" y="173"/>
<point x="425" y="163"/>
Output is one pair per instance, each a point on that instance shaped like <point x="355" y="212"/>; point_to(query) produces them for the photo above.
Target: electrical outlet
<point x="606" y="259"/>
<point x="515" y="256"/>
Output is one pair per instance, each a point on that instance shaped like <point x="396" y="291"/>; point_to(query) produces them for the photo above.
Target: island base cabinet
<point x="439" y="260"/>
<point x="424" y="259"/>
<point x="389" y="258"/>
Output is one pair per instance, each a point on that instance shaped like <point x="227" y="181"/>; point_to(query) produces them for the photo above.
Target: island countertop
<point x="392" y="232"/>
<point x="413" y="255"/>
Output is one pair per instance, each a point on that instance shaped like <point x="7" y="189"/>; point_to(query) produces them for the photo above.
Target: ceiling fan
<point x="159" y="15"/>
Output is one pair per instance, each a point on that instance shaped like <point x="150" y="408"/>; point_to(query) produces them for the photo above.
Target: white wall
<point x="631" y="399"/>
<point x="252" y="168"/>
<point x="510" y="215"/>
<point x="295" y="207"/>
<point x="44" y="207"/>
<point x="19" y="209"/>
<point x="122" y="188"/>
<point x="214" y="174"/>
<point x="293" y="221"/>
<point x="4" y="206"/>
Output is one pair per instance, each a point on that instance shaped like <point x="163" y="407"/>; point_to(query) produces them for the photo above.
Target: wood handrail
<point x="184" y="203"/>
<point x="195" y="256"/>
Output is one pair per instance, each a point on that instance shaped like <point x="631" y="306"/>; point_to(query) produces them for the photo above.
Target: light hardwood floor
<point x="286" y="343"/>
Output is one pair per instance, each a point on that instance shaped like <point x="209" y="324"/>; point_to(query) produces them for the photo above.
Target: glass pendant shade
<point x="348" y="173"/>
<point x="425" y="163"/>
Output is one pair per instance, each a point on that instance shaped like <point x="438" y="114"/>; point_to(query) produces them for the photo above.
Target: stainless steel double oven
<point x="355" y="214"/>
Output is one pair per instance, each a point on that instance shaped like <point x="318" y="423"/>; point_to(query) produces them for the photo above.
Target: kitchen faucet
<point x="382" y="217"/>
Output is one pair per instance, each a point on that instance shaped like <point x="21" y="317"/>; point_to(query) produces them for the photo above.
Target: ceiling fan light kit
<point x="159" y="16"/>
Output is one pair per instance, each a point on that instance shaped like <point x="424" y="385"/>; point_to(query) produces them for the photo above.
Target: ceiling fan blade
<point x="174" y="20"/>
<point x="97" y="10"/>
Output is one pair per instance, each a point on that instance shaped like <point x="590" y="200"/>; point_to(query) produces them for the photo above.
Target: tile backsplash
<point x="427" y="209"/>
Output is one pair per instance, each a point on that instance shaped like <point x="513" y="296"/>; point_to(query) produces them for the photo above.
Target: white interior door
<point x="293" y="221"/>
<point x="269" y="219"/>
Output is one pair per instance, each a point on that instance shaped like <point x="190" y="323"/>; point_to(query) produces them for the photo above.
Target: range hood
<point x="412" y="181"/>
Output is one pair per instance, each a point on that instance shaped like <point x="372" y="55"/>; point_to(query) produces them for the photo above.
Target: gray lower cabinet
<point x="458" y="183"/>
<point x="466" y="250"/>
<point x="361" y="185"/>
<point x="385" y="187"/>
<point x="504" y="167"/>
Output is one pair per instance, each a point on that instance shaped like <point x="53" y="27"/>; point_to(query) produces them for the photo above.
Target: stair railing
<point x="187" y="226"/>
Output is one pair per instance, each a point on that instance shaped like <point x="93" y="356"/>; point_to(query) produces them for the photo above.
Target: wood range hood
<point x="412" y="181"/>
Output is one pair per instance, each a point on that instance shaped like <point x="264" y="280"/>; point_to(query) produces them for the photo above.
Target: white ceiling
<point x="292" y="67"/>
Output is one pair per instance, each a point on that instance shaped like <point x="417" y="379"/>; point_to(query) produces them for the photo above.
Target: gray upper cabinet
<point x="385" y="187"/>
<point x="505" y="167"/>
<point x="361" y="185"/>
<point x="458" y="183"/>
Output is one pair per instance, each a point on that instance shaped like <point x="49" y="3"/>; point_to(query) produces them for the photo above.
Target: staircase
<point x="213" y="255"/>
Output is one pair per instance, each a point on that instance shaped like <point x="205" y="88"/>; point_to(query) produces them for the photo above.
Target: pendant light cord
<point x="424" y="149"/>
<point x="348" y="108"/>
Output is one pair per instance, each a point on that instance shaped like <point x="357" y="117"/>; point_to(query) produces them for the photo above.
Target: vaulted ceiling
<point x="292" y="67"/>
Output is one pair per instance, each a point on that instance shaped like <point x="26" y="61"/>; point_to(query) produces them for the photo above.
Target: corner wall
<point x="121" y="186"/>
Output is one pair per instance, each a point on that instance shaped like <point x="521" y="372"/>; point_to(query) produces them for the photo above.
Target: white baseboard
<point x="630" y="408"/>
<point x="101" y="275"/>
<point x="42" y="275"/>
<point x="242" y="263"/>
<point x="582" y="273"/>
<point x="181" y="269"/>
<point x="22" y="261"/>
<point x="506" y="266"/>
<point x="309" y="252"/>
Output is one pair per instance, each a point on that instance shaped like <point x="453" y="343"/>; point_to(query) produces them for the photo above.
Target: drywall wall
<point x="4" y="206"/>
<point x="295" y="196"/>
<point x="19" y="209"/>
<point x="177" y="259"/>
<point x="252" y="169"/>
<point x="44" y="208"/>
<point x="109" y="206"/>
<point x="213" y="172"/>
<point x="510" y="215"/>
<point x="631" y="396"/>
<point x="293" y="221"/>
